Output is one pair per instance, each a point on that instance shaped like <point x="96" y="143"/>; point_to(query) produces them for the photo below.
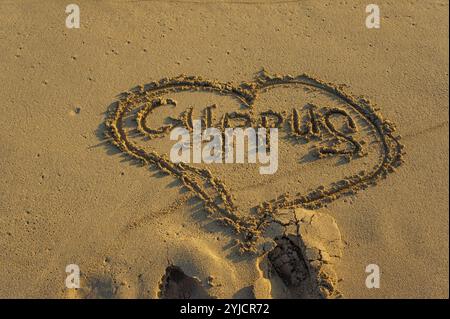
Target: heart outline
<point x="251" y="226"/>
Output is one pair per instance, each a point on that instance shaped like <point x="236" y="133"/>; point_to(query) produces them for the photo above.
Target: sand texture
<point x="363" y="162"/>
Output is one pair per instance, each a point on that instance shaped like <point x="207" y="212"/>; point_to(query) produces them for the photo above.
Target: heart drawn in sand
<point x="331" y="143"/>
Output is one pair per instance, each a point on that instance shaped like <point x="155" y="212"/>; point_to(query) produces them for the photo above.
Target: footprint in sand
<point x="197" y="270"/>
<point x="302" y="248"/>
<point x="175" y="284"/>
<point x="296" y="258"/>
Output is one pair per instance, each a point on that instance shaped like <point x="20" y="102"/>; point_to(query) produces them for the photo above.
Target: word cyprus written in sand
<point x="330" y="143"/>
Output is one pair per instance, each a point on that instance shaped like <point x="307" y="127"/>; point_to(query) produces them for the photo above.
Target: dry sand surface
<point x="86" y="179"/>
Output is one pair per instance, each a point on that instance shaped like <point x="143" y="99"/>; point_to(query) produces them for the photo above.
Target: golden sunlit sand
<point x="362" y="175"/>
